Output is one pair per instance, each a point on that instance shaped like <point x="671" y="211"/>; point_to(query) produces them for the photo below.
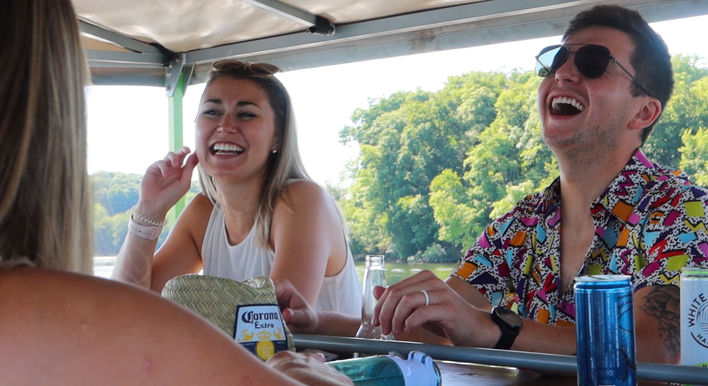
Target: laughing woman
<point x="258" y="214"/>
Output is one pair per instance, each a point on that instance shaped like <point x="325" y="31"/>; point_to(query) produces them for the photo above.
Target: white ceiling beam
<point x="459" y="26"/>
<point x="315" y="23"/>
<point x="118" y="39"/>
<point x="474" y="24"/>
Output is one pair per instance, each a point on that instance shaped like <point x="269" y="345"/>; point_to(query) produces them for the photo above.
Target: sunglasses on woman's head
<point x="590" y="59"/>
<point x="259" y="69"/>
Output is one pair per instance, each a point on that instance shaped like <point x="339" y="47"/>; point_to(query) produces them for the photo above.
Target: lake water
<point x="103" y="266"/>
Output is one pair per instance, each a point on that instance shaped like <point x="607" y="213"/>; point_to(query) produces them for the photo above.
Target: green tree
<point x="686" y="110"/>
<point x="402" y="150"/>
<point x="113" y="192"/>
<point x="436" y="168"/>
<point x="109" y="231"/>
<point x="510" y="160"/>
<point x="117" y="192"/>
<point x="367" y="225"/>
<point x="450" y="202"/>
<point x="694" y="155"/>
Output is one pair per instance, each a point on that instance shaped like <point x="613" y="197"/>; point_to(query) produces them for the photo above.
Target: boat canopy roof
<point x="153" y="42"/>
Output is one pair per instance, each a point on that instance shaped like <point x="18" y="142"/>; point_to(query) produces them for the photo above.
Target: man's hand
<point x="402" y="308"/>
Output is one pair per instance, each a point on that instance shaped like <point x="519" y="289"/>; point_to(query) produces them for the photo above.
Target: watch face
<point x="508" y="316"/>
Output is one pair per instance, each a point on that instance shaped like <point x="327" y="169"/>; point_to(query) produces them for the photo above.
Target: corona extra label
<point x="260" y="328"/>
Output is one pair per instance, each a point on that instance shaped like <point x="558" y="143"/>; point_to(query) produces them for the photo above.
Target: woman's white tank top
<point x="341" y="292"/>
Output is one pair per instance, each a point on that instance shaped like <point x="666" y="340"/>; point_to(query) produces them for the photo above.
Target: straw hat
<point x="218" y="299"/>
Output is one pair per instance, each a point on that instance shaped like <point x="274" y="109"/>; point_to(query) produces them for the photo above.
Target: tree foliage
<point x="116" y="192"/>
<point x="435" y="168"/>
<point x="114" y="195"/>
<point x="686" y="111"/>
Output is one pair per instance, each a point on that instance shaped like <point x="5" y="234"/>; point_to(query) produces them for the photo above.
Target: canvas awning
<point x="139" y="42"/>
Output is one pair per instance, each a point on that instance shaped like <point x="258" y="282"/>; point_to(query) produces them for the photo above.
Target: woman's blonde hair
<point x="285" y="165"/>
<point x="45" y="201"/>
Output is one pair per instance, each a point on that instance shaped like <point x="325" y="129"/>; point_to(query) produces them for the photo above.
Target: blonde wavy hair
<point x="285" y="165"/>
<point x="44" y="192"/>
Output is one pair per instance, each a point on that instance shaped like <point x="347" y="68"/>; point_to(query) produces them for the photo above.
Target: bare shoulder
<point x="185" y="239"/>
<point x="304" y="189"/>
<point x="201" y="201"/>
<point x="68" y="298"/>
<point x="105" y="331"/>
<point x="304" y="194"/>
<point x="194" y="219"/>
<point x="199" y="206"/>
<point x="306" y="206"/>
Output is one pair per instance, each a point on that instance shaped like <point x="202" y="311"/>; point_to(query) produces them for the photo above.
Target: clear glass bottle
<point x="373" y="276"/>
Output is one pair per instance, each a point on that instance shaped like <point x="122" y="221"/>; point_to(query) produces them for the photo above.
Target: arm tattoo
<point x="663" y="303"/>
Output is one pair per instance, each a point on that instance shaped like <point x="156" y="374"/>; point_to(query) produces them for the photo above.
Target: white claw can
<point x="694" y="317"/>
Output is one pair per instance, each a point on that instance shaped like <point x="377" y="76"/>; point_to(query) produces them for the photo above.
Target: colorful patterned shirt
<point x="649" y="223"/>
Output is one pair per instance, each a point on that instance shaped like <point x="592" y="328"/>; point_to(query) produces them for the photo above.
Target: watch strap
<point x="144" y="232"/>
<point x="508" y="333"/>
<point x="505" y="340"/>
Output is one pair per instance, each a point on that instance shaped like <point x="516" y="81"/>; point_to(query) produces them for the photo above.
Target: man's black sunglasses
<point x="590" y="59"/>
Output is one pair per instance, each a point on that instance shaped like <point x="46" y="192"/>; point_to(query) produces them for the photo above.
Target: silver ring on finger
<point x="427" y="297"/>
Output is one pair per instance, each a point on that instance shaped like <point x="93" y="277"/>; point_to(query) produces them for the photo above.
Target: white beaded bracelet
<point x="142" y="231"/>
<point x="148" y="221"/>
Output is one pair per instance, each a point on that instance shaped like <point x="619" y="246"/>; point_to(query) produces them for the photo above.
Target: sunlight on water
<point x="103" y="266"/>
<point x="396" y="272"/>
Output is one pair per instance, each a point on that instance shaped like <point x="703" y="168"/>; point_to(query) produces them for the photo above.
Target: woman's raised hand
<point x="165" y="182"/>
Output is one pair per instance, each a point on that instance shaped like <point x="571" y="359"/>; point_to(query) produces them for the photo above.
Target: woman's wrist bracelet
<point x="147" y="220"/>
<point x="142" y="231"/>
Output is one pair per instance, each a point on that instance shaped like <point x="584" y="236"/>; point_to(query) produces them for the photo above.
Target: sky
<point x="127" y="125"/>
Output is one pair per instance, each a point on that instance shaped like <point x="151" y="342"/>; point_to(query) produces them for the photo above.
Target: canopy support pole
<point x="566" y="364"/>
<point x="175" y="133"/>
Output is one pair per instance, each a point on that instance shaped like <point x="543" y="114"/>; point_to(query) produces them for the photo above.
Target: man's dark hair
<point x="650" y="59"/>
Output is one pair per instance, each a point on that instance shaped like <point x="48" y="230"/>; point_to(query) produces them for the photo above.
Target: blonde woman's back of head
<point x="58" y="327"/>
<point x="44" y="195"/>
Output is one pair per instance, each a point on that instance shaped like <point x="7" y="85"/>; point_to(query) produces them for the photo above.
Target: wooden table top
<point x="456" y="373"/>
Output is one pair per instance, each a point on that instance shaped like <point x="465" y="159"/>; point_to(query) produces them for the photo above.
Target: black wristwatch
<point x="509" y="323"/>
